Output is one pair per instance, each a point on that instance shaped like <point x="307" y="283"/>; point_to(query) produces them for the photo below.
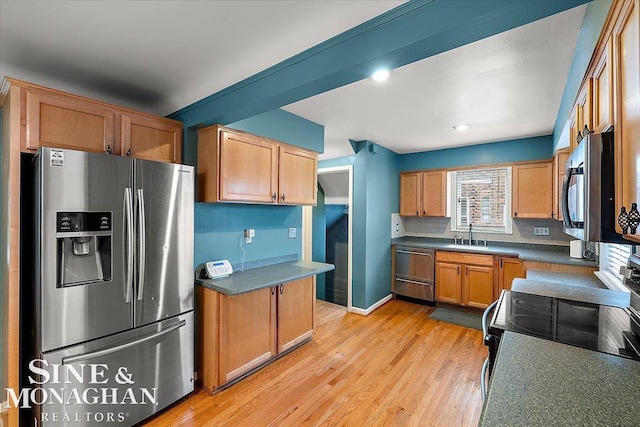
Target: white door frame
<point x="307" y="227"/>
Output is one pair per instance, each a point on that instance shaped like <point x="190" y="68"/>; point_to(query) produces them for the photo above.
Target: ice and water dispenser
<point x="84" y="247"/>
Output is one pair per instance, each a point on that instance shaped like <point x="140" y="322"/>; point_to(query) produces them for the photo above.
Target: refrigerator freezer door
<point x="164" y="216"/>
<point x="125" y="377"/>
<point x="82" y="295"/>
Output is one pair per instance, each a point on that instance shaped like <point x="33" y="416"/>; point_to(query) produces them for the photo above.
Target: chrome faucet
<point x="470" y="235"/>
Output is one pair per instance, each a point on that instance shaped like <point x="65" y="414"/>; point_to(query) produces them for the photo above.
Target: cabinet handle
<point x="273" y="197"/>
<point x="282" y="198"/>
<point x="129" y="152"/>
<point x="109" y="150"/>
<point x="417" y="213"/>
<point x="553" y="215"/>
<point x="500" y="263"/>
<point x="424" y="213"/>
<point x="273" y="291"/>
<point x="515" y="214"/>
<point x="281" y="289"/>
<point x="458" y="270"/>
<point x="466" y="271"/>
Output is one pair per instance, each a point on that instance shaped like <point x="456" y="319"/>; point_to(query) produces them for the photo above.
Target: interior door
<point x="81" y="183"/>
<point x="164" y="219"/>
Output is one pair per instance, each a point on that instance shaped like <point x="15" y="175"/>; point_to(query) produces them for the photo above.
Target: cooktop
<point x="593" y="326"/>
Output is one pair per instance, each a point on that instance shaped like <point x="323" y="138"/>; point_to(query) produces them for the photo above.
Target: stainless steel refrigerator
<point x="113" y="289"/>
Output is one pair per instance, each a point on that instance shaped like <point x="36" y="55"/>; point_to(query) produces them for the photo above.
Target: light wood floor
<point x="393" y="367"/>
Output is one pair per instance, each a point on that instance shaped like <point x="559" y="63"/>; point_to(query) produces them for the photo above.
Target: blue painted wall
<point x="376" y="196"/>
<point x="589" y="32"/>
<point x="484" y="154"/>
<point x="219" y="226"/>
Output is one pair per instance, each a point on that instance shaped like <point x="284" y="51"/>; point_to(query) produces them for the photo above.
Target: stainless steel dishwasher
<point x="414" y="273"/>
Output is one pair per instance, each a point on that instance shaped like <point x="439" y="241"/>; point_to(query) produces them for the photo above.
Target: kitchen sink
<point x="467" y="247"/>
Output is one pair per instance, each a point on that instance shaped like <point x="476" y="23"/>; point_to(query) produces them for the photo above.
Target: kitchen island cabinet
<point x="238" y="333"/>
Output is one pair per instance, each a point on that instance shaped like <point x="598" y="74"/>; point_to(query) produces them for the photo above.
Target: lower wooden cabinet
<point x="464" y="279"/>
<point x="509" y="269"/>
<point x="239" y="333"/>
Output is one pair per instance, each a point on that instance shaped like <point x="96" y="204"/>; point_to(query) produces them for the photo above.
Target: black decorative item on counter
<point x="634" y="218"/>
<point x="623" y="220"/>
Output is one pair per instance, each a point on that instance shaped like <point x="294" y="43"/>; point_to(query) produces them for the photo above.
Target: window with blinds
<point x="482" y="199"/>
<point x="612" y="257"/>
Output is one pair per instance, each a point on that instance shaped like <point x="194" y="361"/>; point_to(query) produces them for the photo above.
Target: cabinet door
<point x="627" y="61"/>
<point x="410" y="192"/>
<point x="448" y="283"/>
<point x="603" y="90"/>
<point x="56" y="120"/>
<point x="297" y="176"/>
<point x="532" y="190"/>
<point x="151" y="138"/>
<point x="434" y="193"/>
<point x="247" y="168"/>
<point x="247" y="332"/>
<point x="478" y="286"/>
<point x="295" y="312"/>
<point x="584" y="106"/>
<point x="207" y="337"/>
<point x="510" y="268"/>
<point x="559" y="161"/>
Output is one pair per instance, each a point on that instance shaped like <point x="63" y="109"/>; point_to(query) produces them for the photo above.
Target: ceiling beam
<point x="408" y="33"/>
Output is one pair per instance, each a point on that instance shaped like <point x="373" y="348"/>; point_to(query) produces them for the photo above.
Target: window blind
<point x="615" y="256"/>
<point x="481" y="200"/>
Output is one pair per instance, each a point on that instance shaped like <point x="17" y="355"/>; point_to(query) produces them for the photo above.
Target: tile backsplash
<point x="522" y="231"/>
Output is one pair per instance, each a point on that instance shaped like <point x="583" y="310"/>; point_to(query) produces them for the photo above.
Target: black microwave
<point x="588" y="191"/>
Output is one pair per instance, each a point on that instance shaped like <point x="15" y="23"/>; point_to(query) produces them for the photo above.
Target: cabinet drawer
<point x="463" y="258"/>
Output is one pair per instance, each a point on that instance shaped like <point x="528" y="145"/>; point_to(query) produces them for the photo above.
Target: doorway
<point x="332" y="224"/>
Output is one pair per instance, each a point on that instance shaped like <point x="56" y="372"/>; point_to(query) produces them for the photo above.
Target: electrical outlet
<point x="540" y="231"/>
<point x="293" y="232"/>
<point x="249" y="234"/>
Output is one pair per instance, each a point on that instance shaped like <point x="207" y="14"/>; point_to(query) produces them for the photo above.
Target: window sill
<point x="611" y="281"/>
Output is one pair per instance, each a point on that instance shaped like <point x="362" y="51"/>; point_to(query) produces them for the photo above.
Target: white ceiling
<point x="160" y="56"/>
<point x="507" y="86"/>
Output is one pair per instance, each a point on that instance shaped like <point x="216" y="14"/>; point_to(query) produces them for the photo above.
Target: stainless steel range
<point x="113" y="288"/>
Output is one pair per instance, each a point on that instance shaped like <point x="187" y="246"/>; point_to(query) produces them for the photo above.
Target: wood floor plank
<point x="394" y="367"/>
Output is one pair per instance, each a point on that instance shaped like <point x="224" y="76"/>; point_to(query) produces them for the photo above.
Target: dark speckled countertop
<point x="528" y="252"/>
<point x="537" y="382"/>
<point x="263" y="277"/>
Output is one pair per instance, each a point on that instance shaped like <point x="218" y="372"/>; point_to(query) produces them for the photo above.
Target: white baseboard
<point x="363" y="312"/>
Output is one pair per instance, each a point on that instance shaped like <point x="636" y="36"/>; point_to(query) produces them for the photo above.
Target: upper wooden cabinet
<point x="627" y="100"/>
<point x="532" y="192"/>
<point x="423" y="193"/>
<point x="57" y="119"/>
<point x="235" y="166"/>
<point x="559" y="160"/>
<point x="150" y="138"/>
<point x="602" y="90"/>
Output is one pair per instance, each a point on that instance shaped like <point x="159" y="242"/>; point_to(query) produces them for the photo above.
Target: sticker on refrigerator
<point x="56" y="158"/>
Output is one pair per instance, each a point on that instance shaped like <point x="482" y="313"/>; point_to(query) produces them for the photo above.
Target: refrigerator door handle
<point x="141" y="243"/>
<point x="128" y="217"/>
<point x="81" y="357"/>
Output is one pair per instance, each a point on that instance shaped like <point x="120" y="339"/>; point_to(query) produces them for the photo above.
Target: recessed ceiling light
<point x="461" y="127"/>
<point x="380" y="75"/>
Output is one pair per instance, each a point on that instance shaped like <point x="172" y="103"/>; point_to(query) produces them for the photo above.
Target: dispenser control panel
<point x="70" y="222"/>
